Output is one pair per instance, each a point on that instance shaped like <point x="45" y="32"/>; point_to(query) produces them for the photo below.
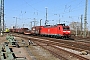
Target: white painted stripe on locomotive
<point x="66" y="31"/>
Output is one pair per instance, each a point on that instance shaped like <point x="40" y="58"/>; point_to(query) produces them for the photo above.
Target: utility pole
<point x="2" y="15"/>
<point x="76" y="28"/>
<point x="34" y="21"/>
<point x="16" y="22"/>
<point x="59" y="18"/>
<point x="46" y="17"/>
<point x="40" y="22"/>
<point x="31" y="25"/>
<point x="81" y="24"/>
<point x="85" y="19"/>
<point x="23" y="25"/>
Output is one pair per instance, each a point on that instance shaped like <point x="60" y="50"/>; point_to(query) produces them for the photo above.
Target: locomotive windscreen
<point x="61" y="24"/>
<point x="66" y="28"/>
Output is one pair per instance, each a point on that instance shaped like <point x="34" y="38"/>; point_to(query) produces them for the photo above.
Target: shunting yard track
<point x="54" y="46"/>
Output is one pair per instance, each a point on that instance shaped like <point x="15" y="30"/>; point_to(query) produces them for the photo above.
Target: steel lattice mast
<point x="85" y="19"/>
<point x="1" y="15"/>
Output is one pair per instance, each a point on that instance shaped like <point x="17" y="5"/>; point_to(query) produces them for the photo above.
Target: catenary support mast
<point x="85" y="19"/>
<point x="1" y="15"/>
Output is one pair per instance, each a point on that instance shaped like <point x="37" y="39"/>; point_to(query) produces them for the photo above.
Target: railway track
<point x="30" y="54"/>
<point x="56" y="44"/>
<point x="83" y="46"/>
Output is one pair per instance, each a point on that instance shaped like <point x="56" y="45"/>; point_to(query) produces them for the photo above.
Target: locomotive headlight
<point x="64" y="31"/>
<point x="68" y="31"/>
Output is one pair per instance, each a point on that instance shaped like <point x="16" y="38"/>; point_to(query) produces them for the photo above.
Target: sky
<point x="26" y="11"/>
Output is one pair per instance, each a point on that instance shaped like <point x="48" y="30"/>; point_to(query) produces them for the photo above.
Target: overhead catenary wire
<point x="54" y="13"/>
<point x="70" y="9"/>
<point x="32" y="6"/>
<point x="50" y="14"/>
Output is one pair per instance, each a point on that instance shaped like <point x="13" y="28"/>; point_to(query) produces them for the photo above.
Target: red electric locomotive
<point x="58" y="31"/>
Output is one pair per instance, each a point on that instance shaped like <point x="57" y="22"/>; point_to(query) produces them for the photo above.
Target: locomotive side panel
<point x="44" y="31"/>
<point x="49" y="31"/>
<point x="60" y="30"/>
<point x="56" y="31"/>
<point x="52" y="30"/>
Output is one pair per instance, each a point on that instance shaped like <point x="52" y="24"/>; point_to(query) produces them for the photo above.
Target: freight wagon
<point x="36" y="30"/>
<point x="18" y="30"/>
<point x="27" y="32"/>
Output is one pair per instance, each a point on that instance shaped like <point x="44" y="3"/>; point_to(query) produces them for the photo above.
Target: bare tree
<point x="75" y="27"/>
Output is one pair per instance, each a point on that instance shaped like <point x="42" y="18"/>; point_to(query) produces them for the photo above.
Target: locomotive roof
<point x="54" y="25"/>
<point x="61" y="24"/>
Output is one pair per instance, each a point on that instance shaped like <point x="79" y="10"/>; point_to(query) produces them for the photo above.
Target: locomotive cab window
<point x="66" y="28"/>
<point x="59" y="28"/>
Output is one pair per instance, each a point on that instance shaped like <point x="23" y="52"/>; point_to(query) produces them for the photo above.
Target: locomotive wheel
<point x="57" y="37"/>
